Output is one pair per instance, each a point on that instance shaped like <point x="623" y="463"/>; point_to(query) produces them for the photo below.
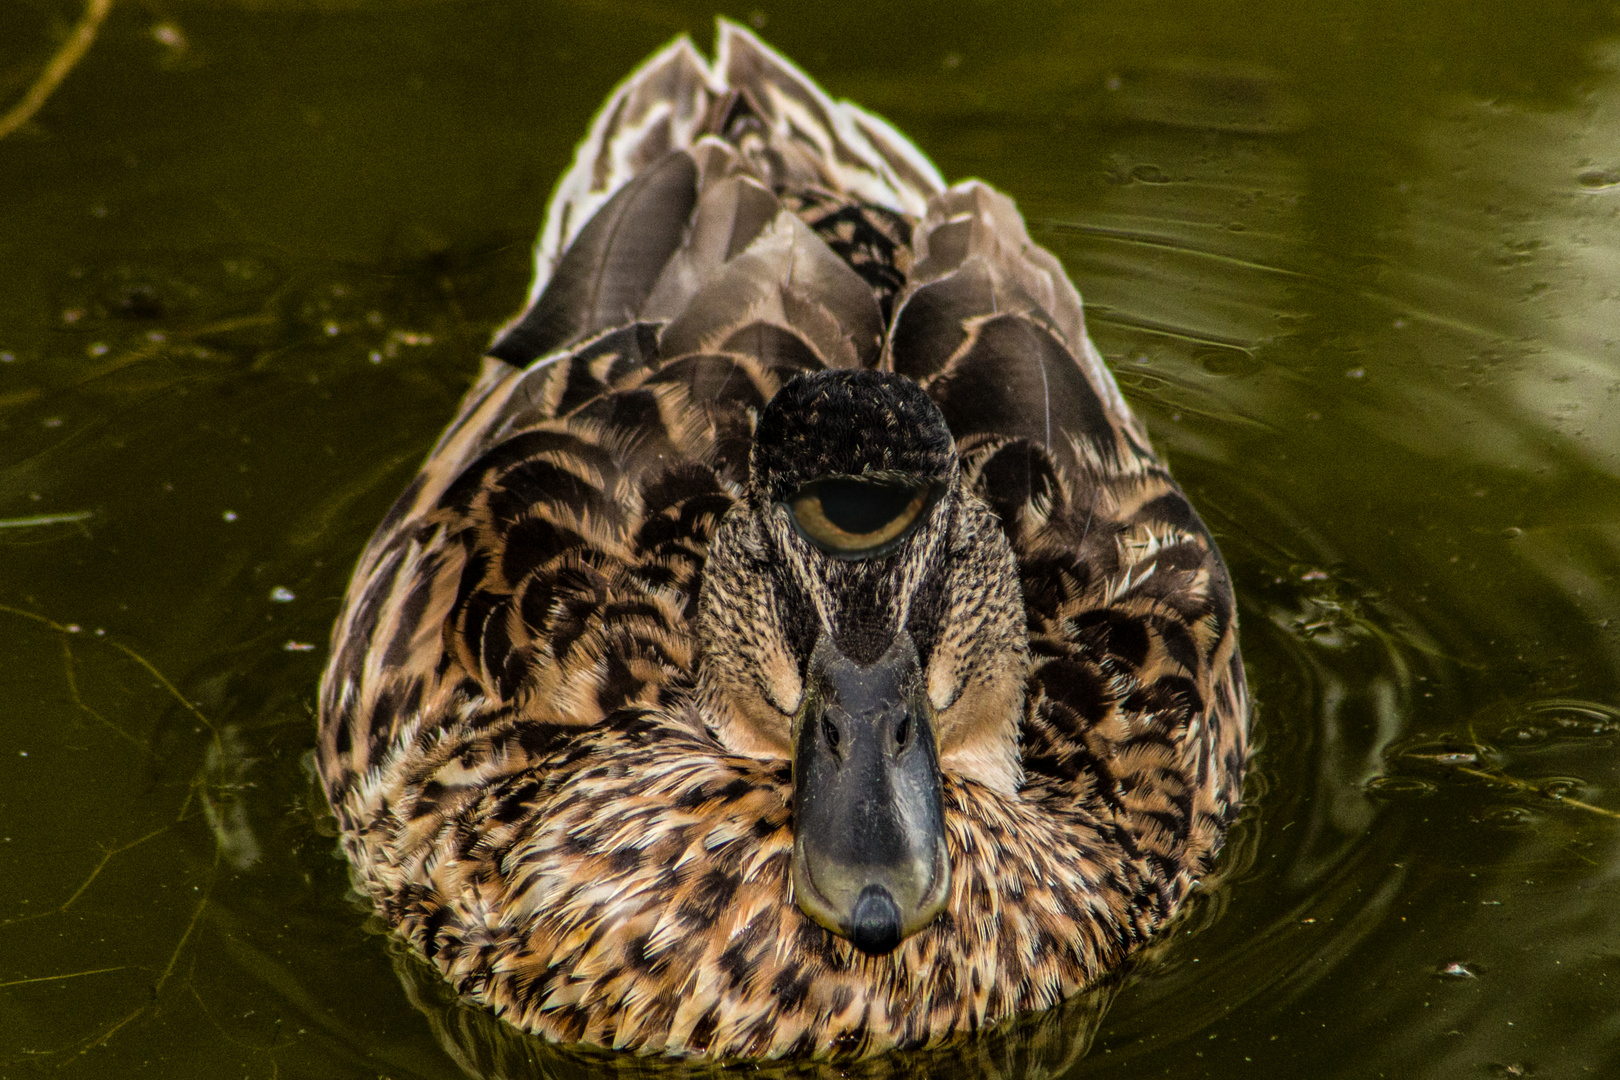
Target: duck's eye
<point x="855" y="519"/>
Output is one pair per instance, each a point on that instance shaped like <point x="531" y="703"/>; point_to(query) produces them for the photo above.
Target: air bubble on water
<point x="1394" y="787"/>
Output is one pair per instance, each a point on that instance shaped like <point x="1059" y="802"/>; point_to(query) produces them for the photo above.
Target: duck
<point x="793" y="647"/>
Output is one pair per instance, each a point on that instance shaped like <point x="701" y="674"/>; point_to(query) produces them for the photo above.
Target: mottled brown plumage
<point x="556" y="722"/>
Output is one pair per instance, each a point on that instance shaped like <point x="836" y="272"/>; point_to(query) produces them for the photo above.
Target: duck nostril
<point x="903" y="732"/>
<point x="829" y="731"/>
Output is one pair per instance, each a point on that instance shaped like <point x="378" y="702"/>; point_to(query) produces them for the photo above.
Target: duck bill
<point x="869" y="858"/>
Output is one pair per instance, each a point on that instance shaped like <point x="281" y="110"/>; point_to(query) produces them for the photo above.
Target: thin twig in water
<point x="87" y="1045"/>
<point x="107" y="856"/>
<point x="55" y="978"/>
<point x="101" y="1037"/>
<point x="170" y="687"/>
<point x="155" y="348"/>
<point x="66" y="58"/>
<point x="73" y="682"/>
<point x="1504" y="780"/>
<point x="44" y="519"/>
<point x="84" y="706"/>
<point x="196" y="916"/>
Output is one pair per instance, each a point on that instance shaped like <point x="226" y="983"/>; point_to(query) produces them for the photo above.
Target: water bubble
<point x="282" y="595"/>
<point x="1524" y="735"/>
<point x="1398" y="787"/>
<point x="1508" y="817"/>
<point x="1570" y="718"/>
<point x="170" y="36"/>
<point x="298" y="646"/>
<point x="1561" y="787"/>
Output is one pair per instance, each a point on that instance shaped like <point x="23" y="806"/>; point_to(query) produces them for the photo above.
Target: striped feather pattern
<point x="516" y="732"/>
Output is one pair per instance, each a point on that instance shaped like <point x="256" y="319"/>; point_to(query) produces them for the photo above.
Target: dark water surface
<point x="1357" y="264"/>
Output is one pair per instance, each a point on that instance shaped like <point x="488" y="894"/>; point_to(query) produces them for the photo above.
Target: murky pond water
<point x="1357" y="265"/>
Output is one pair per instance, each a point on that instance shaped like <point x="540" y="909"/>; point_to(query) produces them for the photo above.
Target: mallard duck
<point x="793" y="646"/>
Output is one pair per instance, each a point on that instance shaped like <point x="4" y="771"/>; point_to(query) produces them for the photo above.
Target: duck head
<point x="861" y="616"/>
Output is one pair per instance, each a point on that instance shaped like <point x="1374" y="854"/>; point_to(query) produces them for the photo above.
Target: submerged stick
<point x="45" y="519"/>
<point x="66" y="58"/>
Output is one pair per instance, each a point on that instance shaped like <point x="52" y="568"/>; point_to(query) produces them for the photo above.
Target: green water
<point x="1357" y="265"/>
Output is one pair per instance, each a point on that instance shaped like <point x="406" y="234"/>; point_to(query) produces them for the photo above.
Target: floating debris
<point x="1457" y="970"/>
<point x="37" y="520"/>
<point x="170" y="36"/>
<point x="282" y="595"/>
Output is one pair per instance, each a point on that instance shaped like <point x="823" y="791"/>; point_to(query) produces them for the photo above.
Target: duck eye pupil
<point x="858" y="507"/>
